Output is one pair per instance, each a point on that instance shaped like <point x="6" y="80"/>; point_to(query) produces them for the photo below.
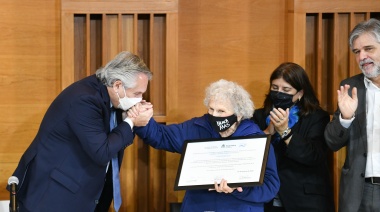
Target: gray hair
<point x="371" y="26"/>
<point x="124" y="67"/>
<point x="236" y="94"/>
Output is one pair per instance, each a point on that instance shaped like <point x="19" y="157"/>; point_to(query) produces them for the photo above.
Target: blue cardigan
<point x="172" y="137"/>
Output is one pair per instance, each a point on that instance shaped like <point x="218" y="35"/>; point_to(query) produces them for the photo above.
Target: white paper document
<point x="240" y="161"/>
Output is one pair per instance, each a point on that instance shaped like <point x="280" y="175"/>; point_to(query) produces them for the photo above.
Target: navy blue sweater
<point x="172" y="137"/>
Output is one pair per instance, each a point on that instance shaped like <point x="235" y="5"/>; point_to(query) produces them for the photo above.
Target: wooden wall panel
<point x="80" y="43"/>
<point x="215" y="39"/>
<point x="111" y="37"/>
<point x="242" y="42"/>
<point x="327" y="57"/>
<point x="29" y="68"/>
<point x="95" y="48"/>
<point x="157" y="64"/>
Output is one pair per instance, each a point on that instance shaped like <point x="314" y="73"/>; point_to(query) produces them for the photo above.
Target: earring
<point x="299" y="98"/>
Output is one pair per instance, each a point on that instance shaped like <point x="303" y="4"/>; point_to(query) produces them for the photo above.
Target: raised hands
<point x="347" y="104"/>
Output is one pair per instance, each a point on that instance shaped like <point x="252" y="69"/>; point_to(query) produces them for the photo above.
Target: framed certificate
<point x="239" y="160"/>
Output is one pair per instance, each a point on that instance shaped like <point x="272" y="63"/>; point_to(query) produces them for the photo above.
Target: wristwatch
<point x="286" y="132"/>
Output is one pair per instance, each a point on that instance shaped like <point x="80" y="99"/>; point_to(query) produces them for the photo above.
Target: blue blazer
<point x="64" y="168"/>
<point x="172" y="137"/>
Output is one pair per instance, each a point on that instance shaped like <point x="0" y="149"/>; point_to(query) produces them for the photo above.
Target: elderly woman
<point x="228" y="102"/>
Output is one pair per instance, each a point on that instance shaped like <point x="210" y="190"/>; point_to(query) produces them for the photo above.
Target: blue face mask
<point x="281" y="100"/>
<point x="221" y="124"/>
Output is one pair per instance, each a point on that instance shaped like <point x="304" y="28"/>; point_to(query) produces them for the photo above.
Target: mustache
<point x="367" y="60"/>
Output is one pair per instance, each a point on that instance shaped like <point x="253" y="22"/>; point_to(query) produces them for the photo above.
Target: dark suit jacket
<point x="355" y="139"/>
<point x="64" y="168"/>
<point x="302" y="165"/>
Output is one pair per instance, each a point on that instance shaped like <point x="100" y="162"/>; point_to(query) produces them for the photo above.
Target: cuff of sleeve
<point x="344" y="122"/>
<point x="129" y="121"/>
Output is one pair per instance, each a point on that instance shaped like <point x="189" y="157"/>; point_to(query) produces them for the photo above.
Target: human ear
<point x="300" y="95"/>
<point x="116" y="85"/>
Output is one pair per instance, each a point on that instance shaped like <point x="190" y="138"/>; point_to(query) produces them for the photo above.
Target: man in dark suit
<point x="356" y="124"/>
<point x="68" y="165"/>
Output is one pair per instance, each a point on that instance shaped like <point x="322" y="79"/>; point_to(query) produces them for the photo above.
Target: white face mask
<point x="125" y="103"/>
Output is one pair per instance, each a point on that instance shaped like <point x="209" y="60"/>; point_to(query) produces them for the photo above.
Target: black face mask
<point x="281" y="100"/>
<point x="221" y="124"/>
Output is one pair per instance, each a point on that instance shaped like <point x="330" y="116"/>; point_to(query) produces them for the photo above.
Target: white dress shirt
<point x="373" y="128"/>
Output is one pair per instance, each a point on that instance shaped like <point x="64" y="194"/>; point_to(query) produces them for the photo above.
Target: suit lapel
<point x="361" y="112"/>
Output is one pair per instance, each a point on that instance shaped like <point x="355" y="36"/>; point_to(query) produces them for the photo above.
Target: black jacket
<point x="303" y="165"/>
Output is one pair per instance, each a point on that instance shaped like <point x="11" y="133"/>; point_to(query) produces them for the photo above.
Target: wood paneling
<point x="115" y="6"/>
<point x="241" y="41"/>
<point x="29" y="68"/>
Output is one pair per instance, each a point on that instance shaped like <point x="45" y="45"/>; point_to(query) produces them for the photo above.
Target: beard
<point x="370" y="72"/>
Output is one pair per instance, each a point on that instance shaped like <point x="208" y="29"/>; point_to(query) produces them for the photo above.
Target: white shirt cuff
<point x="129" y="121"/>
<point x="346" y="123"/>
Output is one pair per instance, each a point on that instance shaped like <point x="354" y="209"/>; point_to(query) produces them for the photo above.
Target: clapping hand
<point x="347" y="104"/>
<point x="279" y="119"/>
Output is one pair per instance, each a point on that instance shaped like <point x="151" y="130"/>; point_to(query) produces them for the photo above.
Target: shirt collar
<point x="369" y="84"/>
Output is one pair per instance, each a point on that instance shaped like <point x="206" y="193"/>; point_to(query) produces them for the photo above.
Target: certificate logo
<point x="228" y="146"/>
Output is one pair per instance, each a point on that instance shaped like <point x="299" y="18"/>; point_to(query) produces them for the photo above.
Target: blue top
<point x="172" y="137"/>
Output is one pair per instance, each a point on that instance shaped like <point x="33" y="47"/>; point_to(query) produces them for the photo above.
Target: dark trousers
<point x="371" y="198"/>
<point x="268" y="207"/>
<point x="107" y="193"/>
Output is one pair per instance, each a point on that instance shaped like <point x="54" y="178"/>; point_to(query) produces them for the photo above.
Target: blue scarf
<point x="293" y="119"/>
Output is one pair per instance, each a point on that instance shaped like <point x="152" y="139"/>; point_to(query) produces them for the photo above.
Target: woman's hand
<point x="140" y="114"/>
<point x="280" y="119"/>
<point x="270" y="129"/>
<point x="223" y="187"/>
<point x="135" y="110"/>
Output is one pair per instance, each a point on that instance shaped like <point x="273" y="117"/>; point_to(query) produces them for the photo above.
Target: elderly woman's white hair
<point x="238" y="97"/>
